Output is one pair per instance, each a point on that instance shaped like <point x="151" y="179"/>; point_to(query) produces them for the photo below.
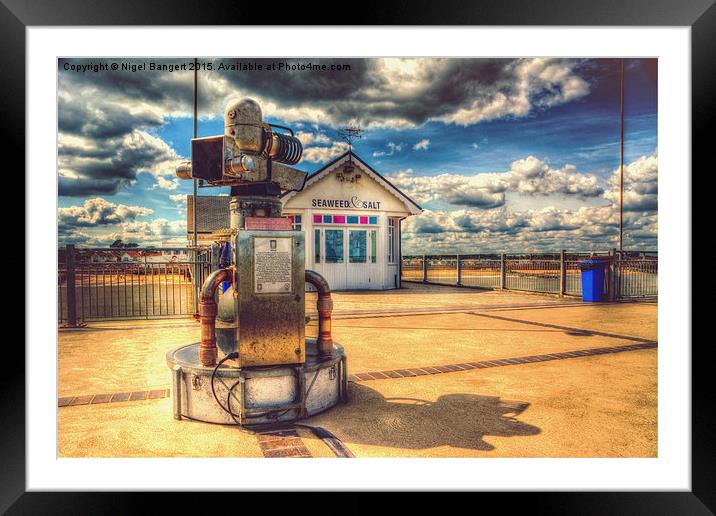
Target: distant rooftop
<point x="212" y="214"/>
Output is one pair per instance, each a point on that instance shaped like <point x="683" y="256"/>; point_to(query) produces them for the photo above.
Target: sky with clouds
<point x="514" y="155"/>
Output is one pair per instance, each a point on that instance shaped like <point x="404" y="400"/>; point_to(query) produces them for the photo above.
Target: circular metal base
<point x="256" y="395"/>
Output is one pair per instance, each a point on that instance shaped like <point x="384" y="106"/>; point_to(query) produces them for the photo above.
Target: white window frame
<point x="321" y="257"/>
<point x="391" y="240"/>
<point x="296" y="226"/>
<point x="324" y="247"/>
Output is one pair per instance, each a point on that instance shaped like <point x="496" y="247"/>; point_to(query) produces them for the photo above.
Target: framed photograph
<point x="451" y="244"/>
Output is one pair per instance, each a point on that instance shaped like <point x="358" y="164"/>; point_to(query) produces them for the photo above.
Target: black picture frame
<point x="16" y="15"/>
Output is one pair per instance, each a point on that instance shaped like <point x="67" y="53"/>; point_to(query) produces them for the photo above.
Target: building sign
<point x="272" y="265"/>
<point x="354" y="202"/>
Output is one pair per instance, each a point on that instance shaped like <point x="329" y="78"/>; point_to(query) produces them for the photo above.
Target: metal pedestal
<point x="256" y="395"/>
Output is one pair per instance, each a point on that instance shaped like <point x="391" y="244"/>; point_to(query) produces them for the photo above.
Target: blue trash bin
<point x="592" y="280"/>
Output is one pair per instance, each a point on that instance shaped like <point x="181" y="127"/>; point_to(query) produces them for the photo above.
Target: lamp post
<point x="194" y="210"/>
<point x="621" y="158"/>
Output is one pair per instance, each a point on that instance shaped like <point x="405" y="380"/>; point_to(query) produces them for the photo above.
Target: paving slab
<point x="374" y="344"/>
<point x="146" y="429"/>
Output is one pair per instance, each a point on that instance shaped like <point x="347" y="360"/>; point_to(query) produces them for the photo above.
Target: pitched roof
<point x="326" y="169"/>
<point x="212" y="213"/>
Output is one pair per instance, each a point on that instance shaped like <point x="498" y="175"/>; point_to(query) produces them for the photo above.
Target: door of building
<point x="375" y="266"/>
<point x="358" y="266"/>
<point x="348" y="257"/>
<point x="334" y="257"/>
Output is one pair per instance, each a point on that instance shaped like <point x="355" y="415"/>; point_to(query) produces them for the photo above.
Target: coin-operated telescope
<point x="250" y="151"/>
<point x="254" y="363"/>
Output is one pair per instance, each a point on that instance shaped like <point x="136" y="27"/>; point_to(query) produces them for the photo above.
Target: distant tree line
<point x="118" y="244"/>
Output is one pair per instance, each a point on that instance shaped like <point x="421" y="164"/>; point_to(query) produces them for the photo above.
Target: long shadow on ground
<point x="457" y="420"/>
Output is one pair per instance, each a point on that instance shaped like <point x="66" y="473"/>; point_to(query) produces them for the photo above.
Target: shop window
<point x="373" y="246"/>
<point x="295" y="222"/>
<point x="334" y="245"/>
<point x="317" y="246"/>
<point x="357" y="246"/>
<point x="345" y="219"/>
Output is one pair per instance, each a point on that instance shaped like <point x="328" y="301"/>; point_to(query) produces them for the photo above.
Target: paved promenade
<point x="434" y="372"/>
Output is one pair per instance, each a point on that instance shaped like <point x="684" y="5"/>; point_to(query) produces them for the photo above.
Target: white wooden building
<point x="351" y="217"/>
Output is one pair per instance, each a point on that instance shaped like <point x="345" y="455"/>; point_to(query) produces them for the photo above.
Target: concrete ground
<point x="593" y="405"/>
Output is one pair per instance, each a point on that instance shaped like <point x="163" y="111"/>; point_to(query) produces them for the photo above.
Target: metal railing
<point x="412" y="268"/>
<point x="637" y="274"/>
<point x="534" y="275"/>
<point x="94" y="284"/>
<point x="627" y="274"/>
<point x="480" y="272"/>
<point x="97" y="284"/>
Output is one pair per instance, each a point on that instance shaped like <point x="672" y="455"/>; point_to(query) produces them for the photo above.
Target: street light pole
<point x="195" y="134"/>
<point x="194" y="210"/>
<point x="621" y="159"/>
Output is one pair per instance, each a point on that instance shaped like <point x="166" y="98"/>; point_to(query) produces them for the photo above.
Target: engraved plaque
<point x="272" y="265"/>
<point x="271" y="319"/>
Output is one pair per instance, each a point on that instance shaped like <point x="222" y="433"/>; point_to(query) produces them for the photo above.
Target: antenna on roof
<point x="349" y="134"/>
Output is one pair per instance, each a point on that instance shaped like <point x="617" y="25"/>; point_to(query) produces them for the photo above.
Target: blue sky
<point x="514" y="155"/>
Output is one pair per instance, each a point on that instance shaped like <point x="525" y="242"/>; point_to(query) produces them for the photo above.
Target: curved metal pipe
<point x="325" y="309"/>
<point x="207" y="315"/>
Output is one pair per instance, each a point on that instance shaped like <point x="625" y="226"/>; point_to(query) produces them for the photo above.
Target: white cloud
<point x="392" y="149"/>
<point x="529" y="176"/>
<point x="451" y="188"/>
<point x="106" y="120"/>
<point x="167" y="184"/>
<point x="143" y="233"/>
<point x="318" y="147"/>
<point x="180" y="201"/>
<point x="99" y="211"/>
<point x="477" y="230"/>
<point x="322" y="154"/>
<point x="86" y="239"/>
<point x="501" y="230"/>
<point x="422" y="144"/>
<point x="532" y="176"/>
<point x="533" y="83"/>
<point x="100" y="222"/>
<point x="308" y="138"/>
<point x="88" y="165"/>
<point x="154" y="230"/>
<point x="641" y="190"/>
